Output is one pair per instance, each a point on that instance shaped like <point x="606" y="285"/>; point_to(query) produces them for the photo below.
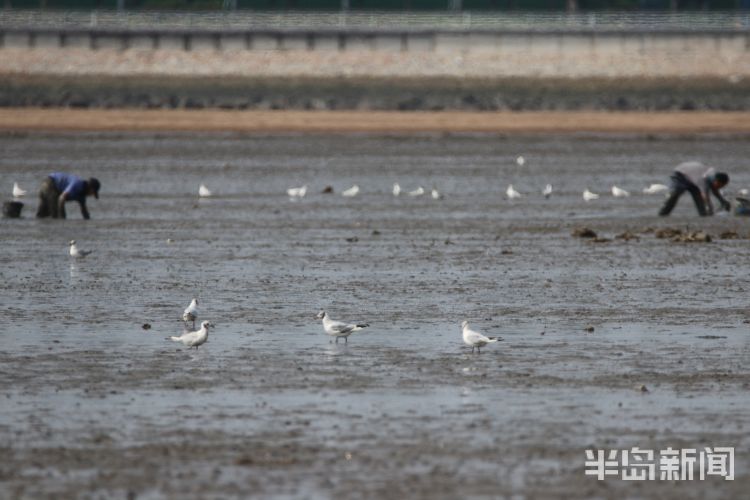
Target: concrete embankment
<point x="430" y="70"/>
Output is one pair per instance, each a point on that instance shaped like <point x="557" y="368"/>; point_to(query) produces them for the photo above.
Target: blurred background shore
<point x="485" y="60"/>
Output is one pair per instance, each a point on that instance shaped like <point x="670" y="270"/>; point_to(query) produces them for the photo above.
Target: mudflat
<point x="631" y="339"/>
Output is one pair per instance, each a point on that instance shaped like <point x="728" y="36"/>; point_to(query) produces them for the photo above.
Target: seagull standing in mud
<point x="339" y="328"/>
<point x="76" y="252"/>
<point x="619" y="192"/>
<point x="435" y="194"/>
<point x="298" y="192"/>
<point x="520" y="161"/>
<point x="417" y="192"/>
<point x="204" y="192"/>
<point x="193" y="339"/>
<point x="351" y="192"/>
<point x="396" y="189"/>
<point x="511" y="193"/>
<point x="547" y="191"/>
<point x="18" y="192"/>
<point x="190" y="313"/>
<point x="589" y="196"/>
<point x="475" y="339"/>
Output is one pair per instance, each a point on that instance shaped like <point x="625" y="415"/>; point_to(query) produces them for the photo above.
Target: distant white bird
<point x="298" y="192"/>
<point x="396" y="189"/>
<point x="744" y="192"/>
<point x="475" y="339"/>
<point x="547" y="191"/>
<point x="435" y="194"/>
<point x="338" y="328"/>
<point x="520" y="161"/>
<point x="619" y="192"/>
<point x="75" y="252"/>
<point x="511" y="193"/>
<point x="191" y="312"/>
<point x="655" y="189"/>
<point x="352" y="191"/>
<point x="204" y="192"/>
<point x="417" y="192"/>
<point x="17" y="191"/>
<point x="588" y="195"/>
<point x="194" y="339"/>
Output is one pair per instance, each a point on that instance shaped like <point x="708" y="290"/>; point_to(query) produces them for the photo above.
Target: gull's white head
<point x="72" y="242"/>
<point x="321" y="315"/>
<point x="464" y="324"/>
<point x="205" y="325"/>
<point x="194" y="302"/>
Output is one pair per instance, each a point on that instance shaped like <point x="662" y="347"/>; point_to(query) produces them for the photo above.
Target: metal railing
<point x="723" y="21"/>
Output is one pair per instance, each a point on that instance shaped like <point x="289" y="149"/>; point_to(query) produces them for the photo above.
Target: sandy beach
<point x="253" y="122"/>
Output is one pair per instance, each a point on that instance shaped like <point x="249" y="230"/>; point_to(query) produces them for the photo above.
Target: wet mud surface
<point x="628" y="341"/>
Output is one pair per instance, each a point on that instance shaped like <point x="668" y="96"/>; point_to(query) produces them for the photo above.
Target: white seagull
<point x="588" y="195"/>
<point x="520" y="161"/>
<point x="475" y="339"/>
<point x="744" y="192"/>
<point x="193" y="339"/>
<point x="191" y="312"/>
<point x="655" y="189"/>
<point x="352" y="191"/>
<point x="547" y="191"/>
<point x="298" y="192"/>
<point x="435" y="194"/>
<point x="511" y="192"/>
<point x="619" y="192"/>
<point x="338" y="328"/>
<point x="75" y="252"/>
<point x="417" y="192"/>
<point x="17" y="191"/>
<point x="396" y="189"/>
<point x="204" y="192"/>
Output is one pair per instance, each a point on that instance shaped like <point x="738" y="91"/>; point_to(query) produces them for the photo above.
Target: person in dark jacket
<point x="59" y="188"/>
<point x="701" y="182"/>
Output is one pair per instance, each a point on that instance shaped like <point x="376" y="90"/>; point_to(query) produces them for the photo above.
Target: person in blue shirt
<point x="60" y="187"/>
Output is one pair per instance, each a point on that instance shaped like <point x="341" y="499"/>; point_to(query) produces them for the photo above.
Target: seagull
<point x="396" y="189"/>
<point x="352" y="191"/>
<point x="655" y="189"/>
<point x="744" y="192"/>
<point x="619" y="192"/>
<point x="511" y="192"/>
<point x="75" y="252"/>
<point x="337" y="328"/>
<point x="547" y="191"/>
<point x="298" y="192"/>
<point x="17" y="191"/>
<point x="520" y="161"/>
<point x="204" y="192"/>
<point x="193" y="339"/>
<point x="435" y="194"/>
<point x="475" y="339"/>
<point x="191" y="312"/>
<point x="588" y="195"/>
<point x="417" y="192"/>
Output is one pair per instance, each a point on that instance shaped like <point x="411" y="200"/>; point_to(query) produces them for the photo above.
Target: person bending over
<point x="59" y="188"/>
<point x="700" y="181"/>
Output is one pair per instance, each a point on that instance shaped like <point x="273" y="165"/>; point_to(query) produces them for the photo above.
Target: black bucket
<point x="12" y="209"/>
